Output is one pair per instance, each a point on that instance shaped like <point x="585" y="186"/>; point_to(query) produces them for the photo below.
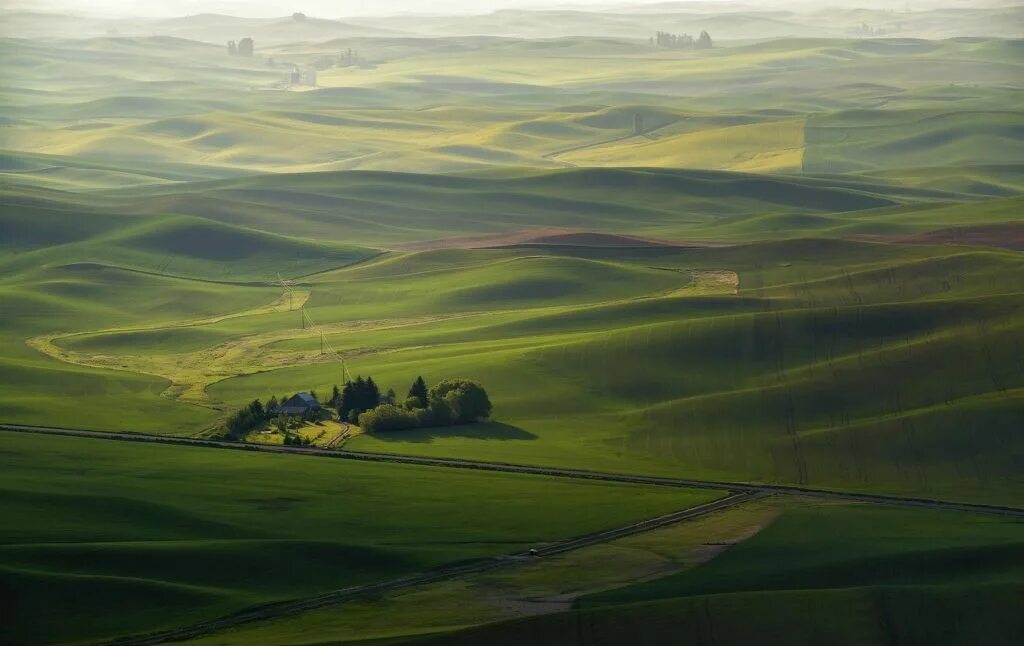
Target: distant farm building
<point x="303" y="76"/>
<point x="243" y="47"/>
<point x="302" y="404"/>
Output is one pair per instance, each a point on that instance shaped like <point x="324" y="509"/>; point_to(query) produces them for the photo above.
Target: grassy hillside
<point x="771" y="146"/>
<point x="841" y="574"/>
<point x="780" y="383"/>
<point x="468" y="103"/>
<point x="380" y="208"/>
<point x="762" y="361"/>
<point x="843" y="142"/>
<point x="185" y="526"/>
<point x="793" y="258"/>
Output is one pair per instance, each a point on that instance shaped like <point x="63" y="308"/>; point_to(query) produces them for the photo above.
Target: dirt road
<point x="276" y="610"/>
<point x="458" y="463"/>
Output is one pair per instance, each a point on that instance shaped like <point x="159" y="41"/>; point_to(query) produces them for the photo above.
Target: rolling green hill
<point x="376" y="208"/>
<point x="845" y="142"/>
<point x="760" y="361"/>
<point x="467" y="103"/>
<point x="839" y="574"/>
<point x="144" y="523"/>
<point x="793" y="258"/>
<point x="788" y="381"/>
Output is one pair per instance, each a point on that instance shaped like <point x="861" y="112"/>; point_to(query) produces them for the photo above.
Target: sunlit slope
<point x="861" y="140"/>
<point x="837" y="574"/>
<point x="837" y="365"/>
<point x="772" y="146"/>
<point x="82" y="295"/>
<point x="194" y="354"/>
<point x="488" y="280"/>
<point x="634" y="67"/>
<point x="102" y="78"/>
<point x="450" y="105"/>
<point x="728" y="22"/>
<point x="67" y="265"/>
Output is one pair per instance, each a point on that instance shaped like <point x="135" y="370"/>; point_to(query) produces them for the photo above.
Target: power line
<point x="326" y="349"/>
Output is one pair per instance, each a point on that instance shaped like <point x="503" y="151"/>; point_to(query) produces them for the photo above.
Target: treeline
<point x="245" y="419"/>
<point x="681" y="41"/>
<point x="357" y="396"/>
<point x="244" y="47"/>
<point x="450" y="402"/>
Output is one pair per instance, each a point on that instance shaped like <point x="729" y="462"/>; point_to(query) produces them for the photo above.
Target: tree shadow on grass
<point x="481" y="431"/>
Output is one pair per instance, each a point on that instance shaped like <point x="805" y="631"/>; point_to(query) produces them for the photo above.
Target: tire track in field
<point x="296" y="606"/>
<point x="505" y="467"/>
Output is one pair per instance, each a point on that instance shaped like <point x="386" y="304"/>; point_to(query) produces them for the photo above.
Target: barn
<point x="301" y="404"/>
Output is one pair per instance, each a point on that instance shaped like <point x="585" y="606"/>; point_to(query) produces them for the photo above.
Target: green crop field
<point x="792" y="258"/>
<point x="209" y="533"/>
<point x="817" y="574"/>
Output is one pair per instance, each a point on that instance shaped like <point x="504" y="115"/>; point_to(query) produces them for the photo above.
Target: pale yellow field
<point x="526" y="587"/>
<point x="775" y="146"/>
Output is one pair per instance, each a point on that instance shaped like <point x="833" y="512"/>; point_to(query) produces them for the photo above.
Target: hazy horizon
<point x="381" y="8"/>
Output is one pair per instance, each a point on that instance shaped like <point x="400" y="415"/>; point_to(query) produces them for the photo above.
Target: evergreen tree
<point x="358" y="396"/>
<point x="419" y="391"/>
<point x="371" y="394"/>
<point x="335" y="396"/>
<point x="358" y="399"/>
<point x="346" y="402"/>
<point x="256" y="408"/>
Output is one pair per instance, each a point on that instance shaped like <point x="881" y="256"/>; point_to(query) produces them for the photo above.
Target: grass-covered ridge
<point x="761" y="361"/>
<point x="842" y="574"/>
<point x="457" y="104"/>
<point x="792" y="258"/>
<point x="186" y="526"/>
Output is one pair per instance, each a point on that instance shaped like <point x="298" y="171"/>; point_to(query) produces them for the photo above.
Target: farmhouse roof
<point x="307" y="399"/>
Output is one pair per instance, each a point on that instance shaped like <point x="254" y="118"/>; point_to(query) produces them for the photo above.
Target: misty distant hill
<point x="725" y="21"/>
